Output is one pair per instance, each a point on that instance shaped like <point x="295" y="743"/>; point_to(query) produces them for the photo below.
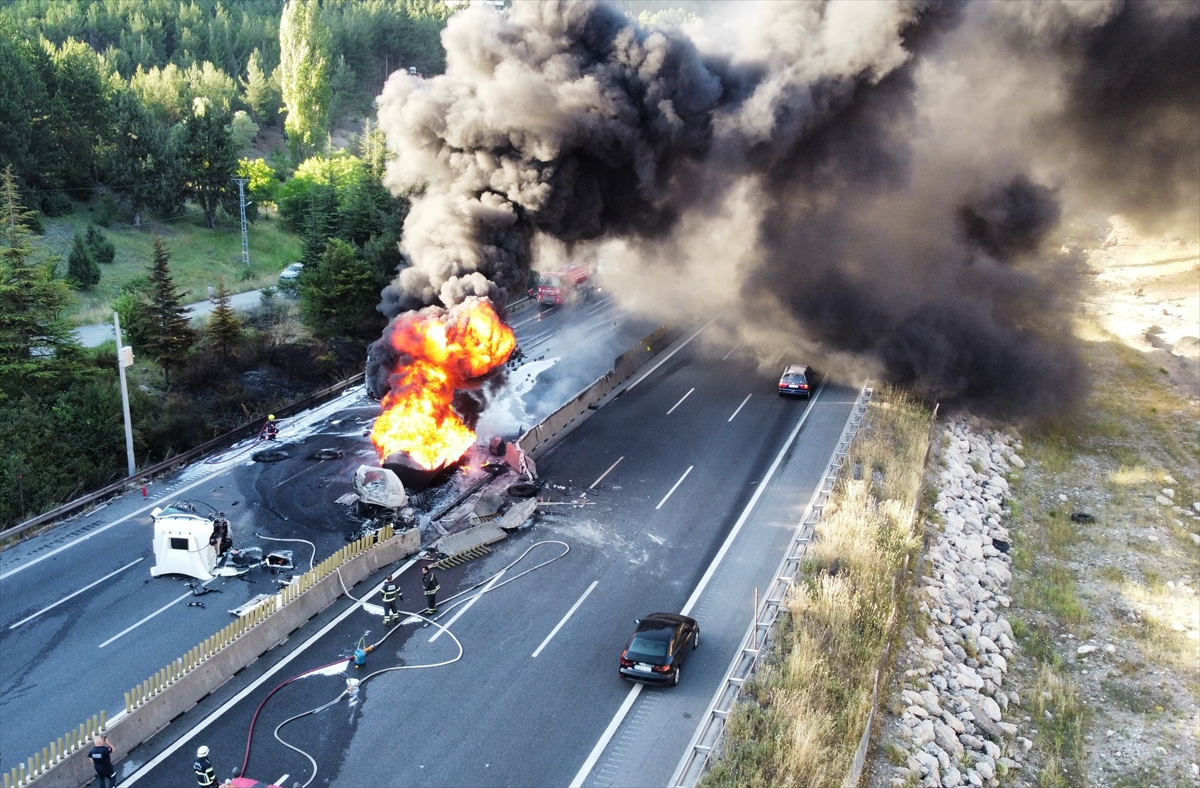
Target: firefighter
<point x="206" y="776"/>
<point x="271" y="430"/>
<point x="430" y="583"/>
<point x="391" y="593"/>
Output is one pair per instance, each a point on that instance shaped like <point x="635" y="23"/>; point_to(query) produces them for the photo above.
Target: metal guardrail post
<point x="711" y="729"/>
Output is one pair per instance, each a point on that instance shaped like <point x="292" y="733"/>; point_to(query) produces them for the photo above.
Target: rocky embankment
<point x="952" y="730"/>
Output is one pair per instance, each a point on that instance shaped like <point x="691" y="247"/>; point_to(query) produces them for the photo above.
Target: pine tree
<point x="82" y="269"/>
<point x="35" y="344"/>
<point x="169" y="335"/>
<point x="102" y="249"/>
<point x="224" y="329"/>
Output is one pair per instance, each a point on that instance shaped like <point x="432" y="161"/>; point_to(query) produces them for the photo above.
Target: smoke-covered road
<point x="669" y="467"/>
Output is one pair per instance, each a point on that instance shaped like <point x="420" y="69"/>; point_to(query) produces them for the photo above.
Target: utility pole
<point x="125" y="359"/>
<point x="241" y="182"/>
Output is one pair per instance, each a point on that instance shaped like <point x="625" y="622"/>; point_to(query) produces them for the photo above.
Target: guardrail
<point x="169" y="692"/>
<point x="27" y="528"/>
<point x="708" y="735"/>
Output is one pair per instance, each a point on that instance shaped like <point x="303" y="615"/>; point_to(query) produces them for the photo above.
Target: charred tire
<point x="522" y="490"/>
<point x="270" y="455"/>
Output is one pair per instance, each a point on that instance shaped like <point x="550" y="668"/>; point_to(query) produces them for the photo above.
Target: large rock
<point x="945" y="737"/>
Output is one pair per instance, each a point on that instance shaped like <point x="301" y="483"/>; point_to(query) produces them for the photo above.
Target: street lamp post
<point x="125" y="359"/>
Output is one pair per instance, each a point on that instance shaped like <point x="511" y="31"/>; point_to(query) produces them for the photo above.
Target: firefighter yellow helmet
<point x="271" y="417"/>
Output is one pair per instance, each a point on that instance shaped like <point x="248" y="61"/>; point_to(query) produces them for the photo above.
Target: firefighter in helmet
<point x="206" y="776"/>
<point x="391" y="593"/>
<point x="431" y="586"/>
<point x="271" y="429"/>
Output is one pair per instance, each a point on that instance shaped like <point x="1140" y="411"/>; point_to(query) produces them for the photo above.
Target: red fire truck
<point x="564" y="285"/>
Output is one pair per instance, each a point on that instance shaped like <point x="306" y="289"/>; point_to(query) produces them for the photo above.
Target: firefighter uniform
<point x="391" y="593"/>
<point x="430" y="583"/>
<point x="271" y="429"/>
<point x="206" y="776"/>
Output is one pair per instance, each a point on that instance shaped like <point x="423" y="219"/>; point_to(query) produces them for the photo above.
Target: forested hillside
<point x="124" y="125"/>
<point x="94" y="91"/>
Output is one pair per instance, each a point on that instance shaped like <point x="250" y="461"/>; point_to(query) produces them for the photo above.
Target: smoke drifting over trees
<point x="880" y="179"/>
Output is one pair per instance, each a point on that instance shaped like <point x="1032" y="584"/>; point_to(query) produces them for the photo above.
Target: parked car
<point x="798" y="380"/>
<point x="658" y="648"/>
<point x="291" y="272"/>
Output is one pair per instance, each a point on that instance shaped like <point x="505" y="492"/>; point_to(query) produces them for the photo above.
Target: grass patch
<point x="1062" y="720"/>
<point x="801" y="722"/>
<point x="198" y="257"/>
<point x="1052" y="589"/>
<point x="1111" y="574"/>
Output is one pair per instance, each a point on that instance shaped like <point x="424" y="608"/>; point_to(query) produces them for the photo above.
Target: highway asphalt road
<point x="672" y="470"/>
<point x="81" y="619"/>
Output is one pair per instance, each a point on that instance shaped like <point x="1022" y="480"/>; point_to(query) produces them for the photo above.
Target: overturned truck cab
<point x="188" y="543"/>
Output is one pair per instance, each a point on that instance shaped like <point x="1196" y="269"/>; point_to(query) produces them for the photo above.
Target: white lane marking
<point x="607" y="472"/>
<point x="129" y="629"/>
<point x="570" y="612"/>
<point x="739" y="407"/>
<point x="77" y="593"/>
<point x="666" y="358"/>
<point x="525" y="322"/>
<point x="668" y="495"/>
<point x="730" y="353"/>
<point x="606" y="737"/>
<point x="681" y="399"/>
<point x="467" y="606"/>
<point x="776" y="361"/>
<point x="737" y="527"/>
<point x="238" y="698"/>
<point x="118" y="521"/>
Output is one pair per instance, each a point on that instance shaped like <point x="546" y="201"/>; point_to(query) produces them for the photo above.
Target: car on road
<point x="798" y="380"/>
<point x="658" y="648"/>
<point x="291" y="272"/>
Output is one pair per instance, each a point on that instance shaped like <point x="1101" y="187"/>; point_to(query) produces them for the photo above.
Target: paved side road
<point x="94" y="336"/>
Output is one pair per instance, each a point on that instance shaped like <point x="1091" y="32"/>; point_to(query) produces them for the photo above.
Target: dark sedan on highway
<point x="658" y="648"/>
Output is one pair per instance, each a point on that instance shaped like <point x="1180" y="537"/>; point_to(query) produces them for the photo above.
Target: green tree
<point x="209" y="82"/>
<point x="100" y="247"/>
<point x="136" y="164"/>
<point x="169" y="335"/>
<point x="243" y="129"/>
<point x="163" y="91"/>
<point x="223" y="327"/>
<point x="79" y="109"/>
<point x="262" y="186"/>
<point x="24" y="107"/>
<point x="304" y="75"/>
<point x="338" y="294"/>
<point x="208" y="159"/>
<point x="260" y="91"/>
<point x="82" y="269"/>
<point x="35" y="343"/>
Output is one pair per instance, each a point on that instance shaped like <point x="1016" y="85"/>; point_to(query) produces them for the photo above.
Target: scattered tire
<point x="270" y="455"/>
<point x="523" y="490"/>
<point x="326" y="454"/>
<point x="1082" y="517"/>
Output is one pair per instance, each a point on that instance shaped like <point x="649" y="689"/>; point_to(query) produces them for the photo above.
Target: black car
<point x="798" y="380"/>
<point x="659" y="646"/>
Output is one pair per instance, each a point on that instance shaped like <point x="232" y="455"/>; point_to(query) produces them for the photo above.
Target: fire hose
<point x="454" y="601"/>
<point x="217" y="459"/>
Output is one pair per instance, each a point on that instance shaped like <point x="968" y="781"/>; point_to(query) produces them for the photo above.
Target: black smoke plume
<point x="881" y="178"/>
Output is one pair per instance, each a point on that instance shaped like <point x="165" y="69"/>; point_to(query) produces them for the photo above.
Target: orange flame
<point x="444" y="351"/>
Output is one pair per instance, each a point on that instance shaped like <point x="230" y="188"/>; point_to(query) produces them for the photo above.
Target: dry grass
<point x="800" y="721"/>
